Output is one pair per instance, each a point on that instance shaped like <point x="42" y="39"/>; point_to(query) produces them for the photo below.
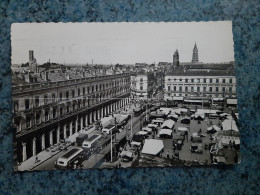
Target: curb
<point x="44" y="160"/>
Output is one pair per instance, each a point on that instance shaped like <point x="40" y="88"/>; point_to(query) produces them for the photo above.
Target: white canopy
<point x="135" y="143"/>
<point x="142" y="133"/>
<point x="232" y="101"/>
<point x="173" y="116"/>
<point x="168" y="124"/>
<point x="147" y="129"/>
<point x="229" y="125"/>
<point x="178" y="98"/>
<point x="126" y="153"/>
<point x="157" y="121"/>
<point x="152" y="146"/>
<point x="165" y="132"/>
<point x="152" y="125"/>
<point x="182" y="129"/>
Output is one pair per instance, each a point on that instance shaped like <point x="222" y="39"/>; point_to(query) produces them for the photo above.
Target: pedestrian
<point x="200" y="131"/>
<point x="168" y="156"/>
<point x="36" y="159"/>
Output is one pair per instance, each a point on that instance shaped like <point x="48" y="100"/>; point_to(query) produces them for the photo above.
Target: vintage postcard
<point x="119" y="95"/>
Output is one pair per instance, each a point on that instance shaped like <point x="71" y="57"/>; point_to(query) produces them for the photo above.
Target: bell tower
<point x="195" y="56"/>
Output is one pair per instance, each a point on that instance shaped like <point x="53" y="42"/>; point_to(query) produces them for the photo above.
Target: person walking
<point x="36" y="159"/>
<point x="168" y="155"/>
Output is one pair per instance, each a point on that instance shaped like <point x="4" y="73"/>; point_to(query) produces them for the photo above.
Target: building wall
<point x="208" y="86"/>
<point x="46" y="113"/>
<point x="142" y="85"/>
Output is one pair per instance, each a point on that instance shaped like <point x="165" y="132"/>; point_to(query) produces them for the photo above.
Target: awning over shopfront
<point x="178" y="98"/>
<point x="217" y="99"/>
<point x="152" y="146"/>
<point x="232" y="101"/>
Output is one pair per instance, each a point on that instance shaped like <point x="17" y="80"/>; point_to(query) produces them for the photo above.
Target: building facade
<point x="48" y="112"/>
<point x="211" y="84"/>
<point x="142" y="85"/>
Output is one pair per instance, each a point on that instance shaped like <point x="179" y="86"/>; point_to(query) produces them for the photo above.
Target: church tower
<point x="195" y="56"/>
<point x="176" y="61"/>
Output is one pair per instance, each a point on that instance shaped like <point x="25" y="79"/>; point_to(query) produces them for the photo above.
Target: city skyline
<point x="123" y="43"/>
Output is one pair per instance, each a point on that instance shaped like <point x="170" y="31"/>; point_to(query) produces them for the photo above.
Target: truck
<point x="81" y="138"/>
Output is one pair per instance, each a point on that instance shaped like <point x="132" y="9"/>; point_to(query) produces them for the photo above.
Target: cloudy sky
<point x="126" y="43"/>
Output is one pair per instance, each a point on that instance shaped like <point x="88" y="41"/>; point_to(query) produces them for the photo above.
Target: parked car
<point x="196" y="148"/>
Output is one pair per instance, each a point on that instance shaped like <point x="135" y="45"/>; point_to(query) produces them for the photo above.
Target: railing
<point x="37" y="86"/>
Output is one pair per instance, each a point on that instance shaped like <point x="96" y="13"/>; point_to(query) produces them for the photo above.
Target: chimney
<point x="45" y="75"/>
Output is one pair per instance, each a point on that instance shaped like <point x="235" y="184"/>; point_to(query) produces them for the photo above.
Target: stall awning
<point x="182" y="129"/>
<point x="126" y="153"/>
<point x="165" y="132"/>
<point x="168" y="124"/>
<point x="152" y="146"/>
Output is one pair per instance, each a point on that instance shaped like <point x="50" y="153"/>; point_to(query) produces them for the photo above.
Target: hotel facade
<point x="47" y="112"/>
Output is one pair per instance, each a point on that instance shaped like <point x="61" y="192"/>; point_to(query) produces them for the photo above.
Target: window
<point x="192" y="88"/>
<point x="198" y="89"/>
<point x="38" y="118"/>
<point x="169" y="88"/>
<point x="141" y="87"/>
<point x="28" y="122"/>
<point x="78" y="92"/>
<point x="223" y="89"/>
<point x="88" y="89"/>
<point x="46" y="115"/>
<point x="141" y="79"/>
<point x="67" y="94"/>
<point x="210" y="89"/>
<point x="27" y="104"/>
<point x="204" y="89"/>
<point x="186" y="89"/>
<point x="186" y="80"/>
<point x="230" y="80"/>
<point x="61" y="111"/>
<point x="224" y="80"/>
<point x="96" y="87"/>
<point x="16" y="106"/>
<point x="92" y="88"/>
<point x="60" y="96"/>
<point x="174" y="88"/>
<point x="180" y="80"/>
<point x="83" y="90"/>
<point x="37" y="101"/>
<point x="204" y="80"/>
<point x="210" y="80"/>
<point x="54" y="114"/>
<point x="53" y="97"/>
<point x="45" y="99"/>
<point x="216" y="89"/>
<point x="198" y="80"/>
<point x="217" y="80"/>
<point x="192" y="80"/>
<point x="73" y="93"/>
<point x="230" y="89"/>
<point x="180" y="88"/>
<point x="68" y="108"/>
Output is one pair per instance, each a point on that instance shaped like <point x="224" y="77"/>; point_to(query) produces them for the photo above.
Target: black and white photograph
<point x="123" y="95"/>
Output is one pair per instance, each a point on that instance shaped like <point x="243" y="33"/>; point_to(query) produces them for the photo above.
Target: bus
<point x="72" y="158"/>
<point x="88" y="143"/>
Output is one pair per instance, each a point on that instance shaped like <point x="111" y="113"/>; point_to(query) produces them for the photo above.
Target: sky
<point x="123" y="43"/>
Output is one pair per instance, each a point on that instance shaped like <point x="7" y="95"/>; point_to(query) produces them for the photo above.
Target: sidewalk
<point x="45" y="155"/>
